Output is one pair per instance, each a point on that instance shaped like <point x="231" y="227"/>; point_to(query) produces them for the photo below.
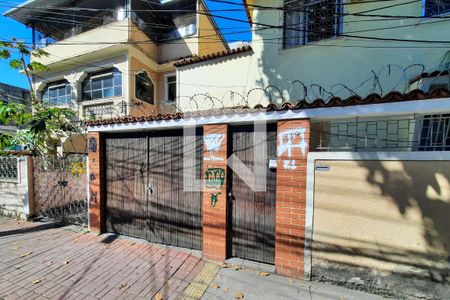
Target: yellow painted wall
<point x="143" y="42"/>
<point x="209" y="40"/>
<point x="391" y="216"/>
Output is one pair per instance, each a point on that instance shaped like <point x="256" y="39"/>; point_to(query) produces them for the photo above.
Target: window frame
<point x="152" y="102"/>
<point x="166" y="87"/>
<point x="108" y="73"/>
<point x="337" y="25"/>
<point x="56" y="85"/>
<point x="424" y="11"/>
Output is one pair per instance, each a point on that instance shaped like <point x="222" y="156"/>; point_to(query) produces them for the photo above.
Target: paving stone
<point x="73" y="265"/>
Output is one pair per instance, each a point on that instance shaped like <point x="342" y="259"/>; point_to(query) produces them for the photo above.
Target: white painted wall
<point x="16" y="196"/>
<point x="343" y="60"/>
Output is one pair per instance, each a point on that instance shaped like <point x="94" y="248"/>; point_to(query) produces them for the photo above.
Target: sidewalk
<point x="230" y="282"/>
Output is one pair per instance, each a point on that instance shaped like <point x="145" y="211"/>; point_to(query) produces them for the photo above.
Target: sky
<point x="232" y="31"/>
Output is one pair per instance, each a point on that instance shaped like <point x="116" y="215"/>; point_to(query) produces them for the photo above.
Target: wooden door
<point x="252" y="213"/>
<point x="126" y="190"/>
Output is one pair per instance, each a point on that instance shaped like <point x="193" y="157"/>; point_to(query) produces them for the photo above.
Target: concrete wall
<point x="227" y="79"/>
<point x="90" y="41"/>
<point x="16" y="196"/>
<point x="342" y="60"/>
<point x="383" y="226"/>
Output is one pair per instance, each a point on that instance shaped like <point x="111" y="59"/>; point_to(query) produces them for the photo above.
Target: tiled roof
<point x="301" y="104"/>
<point x="202" y="58"/>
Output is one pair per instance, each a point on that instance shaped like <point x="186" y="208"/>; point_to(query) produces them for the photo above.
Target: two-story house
<point x="115" y="58"/>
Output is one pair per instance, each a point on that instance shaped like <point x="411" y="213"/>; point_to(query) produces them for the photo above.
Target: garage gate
<point x="144" y="189"/>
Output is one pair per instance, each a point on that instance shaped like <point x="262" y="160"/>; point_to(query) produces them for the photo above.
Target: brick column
<point x="292" y="150"/>
<point x="95" y="182"/>
<point x="214" y="191"/>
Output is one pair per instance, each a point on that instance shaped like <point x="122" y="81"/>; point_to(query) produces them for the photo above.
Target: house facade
<point x="355" y="115"/>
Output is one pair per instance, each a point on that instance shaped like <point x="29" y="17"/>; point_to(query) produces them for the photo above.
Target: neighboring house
<point x="115" y="58"/>
<point x="325" y="48"/>
<point x="13" y="94"/>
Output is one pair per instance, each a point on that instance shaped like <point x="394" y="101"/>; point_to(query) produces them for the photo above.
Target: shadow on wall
<point x="389" y="231"/>
<point x="332" y="66"/>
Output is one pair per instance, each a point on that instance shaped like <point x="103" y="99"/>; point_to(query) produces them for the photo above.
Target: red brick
<point x="214" y="218"/>
<point x="291" y="207"/>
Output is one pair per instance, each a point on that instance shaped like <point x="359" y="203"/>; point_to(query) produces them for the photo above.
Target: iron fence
<point x="424" y="133"/>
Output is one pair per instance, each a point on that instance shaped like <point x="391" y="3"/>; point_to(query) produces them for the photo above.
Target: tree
<point x="40" y="126"/>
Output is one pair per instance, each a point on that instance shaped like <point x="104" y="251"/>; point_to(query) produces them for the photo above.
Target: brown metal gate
<point x="60" y="189"/>
<point x="144" y="186"/>
<point x="252" y="213"/>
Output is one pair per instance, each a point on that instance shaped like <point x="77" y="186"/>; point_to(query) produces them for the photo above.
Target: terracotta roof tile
<point x="301" y="104"/>
<point x="197" y="59"/>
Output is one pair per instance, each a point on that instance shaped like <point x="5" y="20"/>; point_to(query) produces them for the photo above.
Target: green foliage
<point x="40" y="127"/>
<point x="16" y="52"/>
<point x="38" y="130"/>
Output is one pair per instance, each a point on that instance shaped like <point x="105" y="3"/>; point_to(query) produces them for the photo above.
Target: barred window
<point x="104" y="84"/>
<point x="308" y="21"/>
<point x="435" y="133"/>
<point x="436" y="7"/>
<point x="145" y="89"/>
<point x="57" y="93"/>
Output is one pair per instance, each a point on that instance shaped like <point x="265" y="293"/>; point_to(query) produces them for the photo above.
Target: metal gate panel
<point x="126" y="176"/>
<point x="60" y="186"/>
<point x="145" y="192"/>
<point x="252" y="213"/>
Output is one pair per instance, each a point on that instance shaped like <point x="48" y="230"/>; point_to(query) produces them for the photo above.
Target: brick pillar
<point x="292" y="150"/>
<point x="215" y="191"/>
<point x="95" y="182"/>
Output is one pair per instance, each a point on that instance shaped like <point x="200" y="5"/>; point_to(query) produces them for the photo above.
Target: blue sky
<point x="232" y="30"/>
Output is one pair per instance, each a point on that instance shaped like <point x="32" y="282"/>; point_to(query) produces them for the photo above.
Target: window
<point x="436" y="7"/>
<point x="57" y="93"/>
<point x="100" y="85"/>
<point x="308" y="21"/>
<point x="145" y="89"/>
<point x="435" y="133"/>
<point x="171" y="88"/>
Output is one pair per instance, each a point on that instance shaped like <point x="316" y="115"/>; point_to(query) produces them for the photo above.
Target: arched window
<point x="57" y="93"/>
<point x="103" y="84"/>
<point x="145" y="89"/>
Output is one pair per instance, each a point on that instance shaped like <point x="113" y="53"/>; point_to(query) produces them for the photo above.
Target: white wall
<point x="343" y="60"/>
<point x="16" y="196"/>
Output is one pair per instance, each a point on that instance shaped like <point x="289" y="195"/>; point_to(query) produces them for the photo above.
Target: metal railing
<point x="425" y="133"/>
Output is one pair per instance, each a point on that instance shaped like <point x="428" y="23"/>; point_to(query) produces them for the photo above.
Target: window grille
<point x="101" y="85"/>
<point x="9" y="168"/>
<point x="308" y="21"/>
<point x="57" y="93"/>
<point x="145" y="89"/>
<point x="427" y="133"/>
<point x="436" y="7"/>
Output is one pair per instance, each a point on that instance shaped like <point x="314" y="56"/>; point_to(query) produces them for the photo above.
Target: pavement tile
<point x="73" y="265"/>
